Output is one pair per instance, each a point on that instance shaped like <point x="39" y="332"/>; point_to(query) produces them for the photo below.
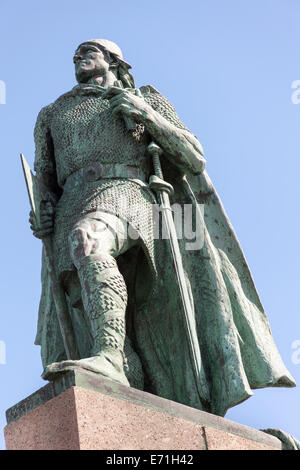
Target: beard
<point x="88" y="69"/>
<point x="83" y="76"/>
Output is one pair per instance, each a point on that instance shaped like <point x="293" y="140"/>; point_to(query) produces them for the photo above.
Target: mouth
<point x="80" y="63"/>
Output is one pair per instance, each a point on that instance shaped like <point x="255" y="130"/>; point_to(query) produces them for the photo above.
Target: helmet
<point x="109" y="46"/>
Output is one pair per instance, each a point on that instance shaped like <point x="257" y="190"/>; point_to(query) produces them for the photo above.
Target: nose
<point x="76" y="58"/>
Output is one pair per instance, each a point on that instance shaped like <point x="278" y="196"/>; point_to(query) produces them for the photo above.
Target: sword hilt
<point x="155" y="151"/>
<point x="156" y="181"/>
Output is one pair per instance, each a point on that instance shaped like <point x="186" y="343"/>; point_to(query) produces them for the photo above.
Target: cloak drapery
<point x="237" y="349"/>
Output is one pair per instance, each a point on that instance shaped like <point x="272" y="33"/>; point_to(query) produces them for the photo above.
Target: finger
<point x="121" y="100"/>
<point x="112" y="91"/>
<point x="38" y="235"/>
<point x="46" y="203"/>
<point x="33" y="226"/>
<point x="45" y="226"/>
<point x="46" y="211"/>
<point x="117" y="99"/>
<point x="46" y="219"/>
<point x="45" y="230"/>
<point x="42" y="233"/>
<point x="122" y="108"/>
<point x="45" y="233"/>
<point x="49" y="206"/>
<point x="138" y="93"/>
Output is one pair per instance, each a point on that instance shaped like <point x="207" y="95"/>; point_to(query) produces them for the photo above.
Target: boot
<point x="104" y="296"/>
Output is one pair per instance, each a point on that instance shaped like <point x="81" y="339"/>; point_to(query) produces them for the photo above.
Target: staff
<point x="59" y="297"/>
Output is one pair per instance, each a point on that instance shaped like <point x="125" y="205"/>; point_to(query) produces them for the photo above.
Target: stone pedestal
<point x="83" y="411"/>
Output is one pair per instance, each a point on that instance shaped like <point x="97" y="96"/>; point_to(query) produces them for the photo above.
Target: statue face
<point x="89" y="62"/>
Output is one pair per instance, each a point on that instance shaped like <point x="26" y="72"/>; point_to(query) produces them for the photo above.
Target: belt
<point x="97" y="171"/>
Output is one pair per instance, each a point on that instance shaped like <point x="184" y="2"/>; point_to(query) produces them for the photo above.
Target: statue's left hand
<point x="128" y="102"/>
<point x="46" y="225"/>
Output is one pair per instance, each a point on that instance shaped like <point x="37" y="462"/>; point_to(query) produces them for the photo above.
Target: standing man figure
<point x="93" y="168"/>
<point x="84" y="150"/>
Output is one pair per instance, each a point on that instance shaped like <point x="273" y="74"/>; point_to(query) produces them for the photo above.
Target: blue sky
<point x="228" y="68"/>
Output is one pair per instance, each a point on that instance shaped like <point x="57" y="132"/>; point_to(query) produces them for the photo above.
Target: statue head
<point x="98" y="57"/>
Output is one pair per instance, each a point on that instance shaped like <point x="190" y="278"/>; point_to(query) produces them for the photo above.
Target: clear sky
<point x="228" y="68"/>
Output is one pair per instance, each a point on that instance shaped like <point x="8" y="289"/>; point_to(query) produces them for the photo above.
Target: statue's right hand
<point x="46" y="225"/>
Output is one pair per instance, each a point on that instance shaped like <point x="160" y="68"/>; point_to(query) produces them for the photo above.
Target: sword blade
<point x="188" y="310"/>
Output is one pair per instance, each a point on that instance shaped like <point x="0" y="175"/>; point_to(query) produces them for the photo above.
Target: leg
<point x="94" y="247"/>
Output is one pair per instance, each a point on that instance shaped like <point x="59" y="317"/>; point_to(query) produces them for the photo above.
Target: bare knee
<point x="78" y="244"/>
<point x="90" y="237"/>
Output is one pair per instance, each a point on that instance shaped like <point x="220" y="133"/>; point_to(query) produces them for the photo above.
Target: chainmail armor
<point x="117" y="284"/>
<point x="104" y="296"/>
<point x="79" y="128"/>
<point x="109" y="333"/>
<point x="107" y="338"/>
<point x="126" y="199"/>
<point x="84" y="130"/>
<point x="101" y="293"/>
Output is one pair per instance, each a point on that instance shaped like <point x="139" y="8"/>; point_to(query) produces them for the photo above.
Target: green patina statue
<point x="119" y="281"/>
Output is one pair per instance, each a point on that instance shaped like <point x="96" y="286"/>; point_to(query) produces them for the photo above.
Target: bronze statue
<point x="93" y="166"/>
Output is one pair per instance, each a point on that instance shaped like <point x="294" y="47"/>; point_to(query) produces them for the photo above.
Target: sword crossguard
<point x="159" y="185"/>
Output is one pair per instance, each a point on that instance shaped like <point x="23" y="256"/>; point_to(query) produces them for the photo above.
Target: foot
<point x="107" y="364"/>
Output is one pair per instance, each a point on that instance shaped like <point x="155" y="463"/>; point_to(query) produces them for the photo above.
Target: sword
<point x="163" y="191"/>
<point x="59" y="297"/>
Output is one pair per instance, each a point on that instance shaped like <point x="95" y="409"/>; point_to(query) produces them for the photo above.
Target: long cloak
<point x="237" y="349"/>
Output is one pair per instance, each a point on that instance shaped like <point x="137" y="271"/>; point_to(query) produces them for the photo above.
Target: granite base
<point x="82" y="411"/>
